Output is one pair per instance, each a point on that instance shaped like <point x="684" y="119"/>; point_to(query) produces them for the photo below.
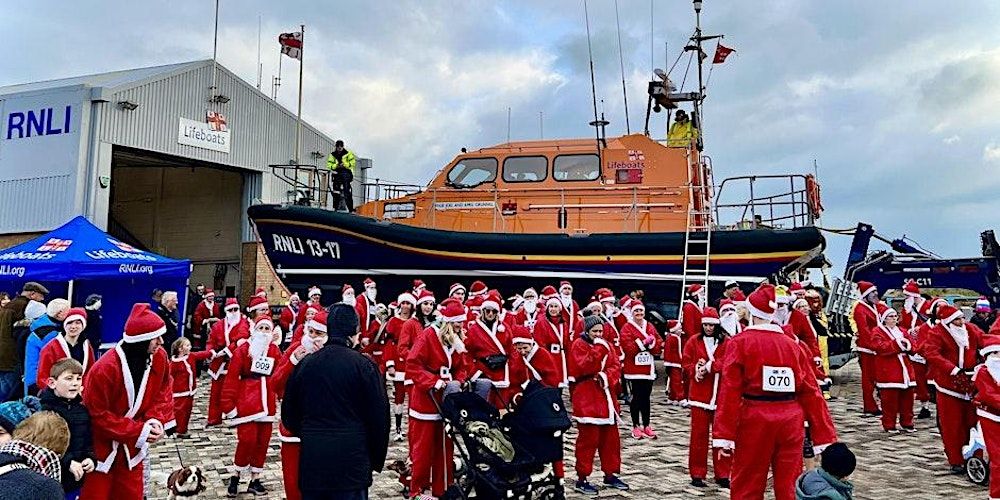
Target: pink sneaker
<point x="649" y="432"/>
<point x="637" y="433"/>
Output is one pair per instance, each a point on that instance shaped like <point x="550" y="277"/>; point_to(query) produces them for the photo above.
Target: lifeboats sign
<point x="465" y="205"/>
<point x="201" y="135"/>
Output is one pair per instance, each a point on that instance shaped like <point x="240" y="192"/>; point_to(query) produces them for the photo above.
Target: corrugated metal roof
<point x="114" y="80"/>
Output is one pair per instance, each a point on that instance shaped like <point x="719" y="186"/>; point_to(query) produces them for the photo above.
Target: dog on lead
<point x="186" y="482"/>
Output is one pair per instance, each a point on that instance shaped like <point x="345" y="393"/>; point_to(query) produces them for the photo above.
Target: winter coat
<point x="335" y="401"/>
<point x="24" y="483"/>
<point x="248" y="396"/>
<point x="10" y="314"/>
<point x="555" y="338"/>
<point x="43" y="330"/>
<point x="640" y="343"/>
<point x="865" y="320"/>
<point x="81" y="445"/>
<point x="817" y="484"/>
<point x="690" y="320"/>
<point x="704" y="394"/>
<point x="429" y="362"/>
<point x="593" y="366"/>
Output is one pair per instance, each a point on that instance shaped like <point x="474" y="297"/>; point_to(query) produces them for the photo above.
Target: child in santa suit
<point x="673" y="355"/>
<point x="987" y="401"/>
<point x="593" y="366"/>
<point x="894" y="375"/>
<point x="182" y="370"/>
<point x="703" y="355"/>
<point x="128" y="396"/>
<point x="69" y="344"/>
<point x="225" y="336"/>
<point x="640" y="342"/>
<point x="435" y="362"/>
<point x="395" y="355"/>
<point x="248" y="402"/>
<point x="313" y="340"/>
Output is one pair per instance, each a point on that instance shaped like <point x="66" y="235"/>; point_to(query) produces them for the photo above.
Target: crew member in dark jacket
<point x="335" y="402"/>
<point x="167" y="311"/>
<point x="94" y="319"/>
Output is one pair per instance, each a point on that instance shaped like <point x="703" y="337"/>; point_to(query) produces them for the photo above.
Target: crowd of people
<point x="749" y="368"/>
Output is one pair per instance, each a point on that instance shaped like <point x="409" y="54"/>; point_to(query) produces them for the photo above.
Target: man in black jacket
<point x="167" y="311"/>
<point x="335" y="402"/>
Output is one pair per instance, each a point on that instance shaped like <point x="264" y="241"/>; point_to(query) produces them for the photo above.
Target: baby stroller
<point x="977" y="461"/>
<point x="506" y="457"/>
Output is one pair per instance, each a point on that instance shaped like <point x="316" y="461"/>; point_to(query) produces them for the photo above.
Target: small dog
<point x="186" y="482"/>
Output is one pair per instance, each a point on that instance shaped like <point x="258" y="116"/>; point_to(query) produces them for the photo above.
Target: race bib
<point x="778" y="379"/>
<point x="262" y="366"/>
<point x="554" y="348"/>
<point x="445" y="373"/>
<point x="644" y="358"/>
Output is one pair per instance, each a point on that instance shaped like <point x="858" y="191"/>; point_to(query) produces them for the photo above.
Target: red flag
<point x="291" y="44"/>
<point x="721" y="53"/>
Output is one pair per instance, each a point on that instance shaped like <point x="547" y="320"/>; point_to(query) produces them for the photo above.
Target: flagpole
<point x="215" y="48"/>
<point x="298" y="126"/>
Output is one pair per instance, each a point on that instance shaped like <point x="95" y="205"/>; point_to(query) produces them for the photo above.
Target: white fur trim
<point x="757" y="313"/>
<point x="990" y="349"/>
<point x="522" y="340"/>
<point x="316" y="325"/>
<point x="489" y="304"/>
<point x="723" y="443"/>
<point x="710" y="321"/>
<point x="462" y="318"/>
<point x="953" y="317"/>
<point x="133" y="339"/>
<point x="424" y="416"/>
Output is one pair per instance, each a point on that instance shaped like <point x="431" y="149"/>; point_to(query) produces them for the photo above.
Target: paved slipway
<point x="906" y="466"/>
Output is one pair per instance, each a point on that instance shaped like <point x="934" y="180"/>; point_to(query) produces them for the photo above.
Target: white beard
<point x="567" y="301"/>
<point x="530" y="306"/>
<point x="993" y="366"/>
<point x="908" y="304"/>
<point x="730" y="322"/>
<point x="960" y="334"/>
<point x="258" y="344"/>
<point x="350" y="300"/>
<point x="781" y="316"/>
<point x="371" y="293"/>
<point x="232" y="318"/>
<point x="610" y="310"/>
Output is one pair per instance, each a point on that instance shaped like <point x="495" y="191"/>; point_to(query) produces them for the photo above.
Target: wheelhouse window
<point x="576" y="168"/>
<point x="525" y="169"/>
<point x="472" y="172"/>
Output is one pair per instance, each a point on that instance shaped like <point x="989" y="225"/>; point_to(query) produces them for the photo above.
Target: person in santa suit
<point x="987" y="403"/>
<point x="865" y="318"/>
<point x="347" y="295"/>
<point x="492" y="353"/>
<point x="67" y="344"/>
<point x="729" y="318"/>
<point x="478" y="289"/>
<point x="731" y="287"/>
<point x="128" y="397"/>
<point x="552" y="334"/>
<point x="258" y="308"/>
<point x="300" y="329"/>
<point x="539" y="362"/>
<point x="183" y="372"/>
<point x="426" y="312"/>
<point x="797" y="291"/>
<point x="703" y="355"/>
<point x="640" y="342"/>
<point x="365" y="305"/>
<point x="918" y="338"/>
<point x="249" y="402"/>
<point x="395" y="356"/>
<point x="593" y="366"/>
<point x="226" y="335"/>
<point x="694" y="302"/>
<point x="315" y="297"/>
<point x="740" y="301"/>
<point x="418" y="287"/>
<point x="607" y="311"/>
<point x="472" y="307"/>
<point x="798" y="320"/>
<point x="893" y="372"/>
<point x="437" y="366"/>
<point x="673" y="357"/>
<point x="375" y="342"/>
<point x="768" y="388"/>
<point x="288" y="316"/>
<point x="526" y="312"/>
<point x="571" y="310"/>
<point x="312" y="341"/>
<point x="951" y="349"/>
<point x="206" y="313"/>
<point x="623" y="306"/>
<point x="910" y="318"/>
<point x="457" y="291"/>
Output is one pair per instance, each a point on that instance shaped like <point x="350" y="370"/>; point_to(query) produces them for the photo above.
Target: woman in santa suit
<point x="703" y="355"/>
<point x="226" y="335"/>
<point x="494" y="358"/>
<point x="314" y="339"/>
<point x="374" y="341"/>
<point x="987" y="401"/>
<point x="68" y="344"/>
<point x="248" y="402"/>
<point x="552" y="334"/>
<point x="673" y="355"/>
<point x="435" y="362"/>
<point x="640" y="342"/>
<point x="894" y="375"/>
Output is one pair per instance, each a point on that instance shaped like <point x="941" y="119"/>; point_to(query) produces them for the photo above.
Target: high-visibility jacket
<point x="347" y="161"/>
<point x="680" y="134"/>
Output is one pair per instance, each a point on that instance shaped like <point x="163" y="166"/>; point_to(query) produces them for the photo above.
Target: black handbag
<point x="495" y="361"/>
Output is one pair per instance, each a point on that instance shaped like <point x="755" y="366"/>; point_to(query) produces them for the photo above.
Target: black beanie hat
<point x="838" y="460"/>
<point x="341" y="321"/>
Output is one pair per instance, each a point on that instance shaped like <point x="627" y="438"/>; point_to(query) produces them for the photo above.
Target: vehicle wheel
<point x="977" y="470"/>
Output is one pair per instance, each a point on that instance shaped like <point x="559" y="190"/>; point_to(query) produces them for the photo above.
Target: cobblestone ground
<point x="909" y="466"/>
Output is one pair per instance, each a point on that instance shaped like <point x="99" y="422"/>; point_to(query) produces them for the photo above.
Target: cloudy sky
<point x="897" y="102"/>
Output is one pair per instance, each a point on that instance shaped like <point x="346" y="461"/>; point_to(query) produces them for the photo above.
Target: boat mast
<point x="701" y="83"/>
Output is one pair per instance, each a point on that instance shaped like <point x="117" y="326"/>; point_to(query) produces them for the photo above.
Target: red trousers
<point x="701" y="421"/>
<point x="603" y="439"/>
<point x="991" y="434"/>
<point x="920" y="372"/>
<point x="126" y="484"/>
<point x="768" y="437"/>
<point x="182" y="412"/>
<point x="251" y="446"/>
<point x="290" y="470"/>
<point x="675" y="384"/>
<point x="955" y="418"/>
<point x="432" y="454"/>
<point x="867" y="362"/>
<point x="399" y="392"/>
<point x="896" y="403"/>
<point x="215" y="402"/>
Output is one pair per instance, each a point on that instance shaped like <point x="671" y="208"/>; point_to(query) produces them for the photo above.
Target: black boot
<point x="698" y="482"/>
<point x="924" y="413"/>
<point x="723" y="482"/>
<point x="232" y="490"/>
<point x="256" y="487"/>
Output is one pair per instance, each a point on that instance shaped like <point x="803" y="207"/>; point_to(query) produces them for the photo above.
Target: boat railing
<point x="768" y="201"/>
<point x="307" y="185"/>
<point x="382" y="190"/>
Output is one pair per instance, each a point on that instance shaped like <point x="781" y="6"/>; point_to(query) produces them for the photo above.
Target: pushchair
<point x="977" y="460"/>
<point x="504" y="458"/>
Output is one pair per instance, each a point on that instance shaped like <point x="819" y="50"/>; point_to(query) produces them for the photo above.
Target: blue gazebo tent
<point x="78" y="259"/>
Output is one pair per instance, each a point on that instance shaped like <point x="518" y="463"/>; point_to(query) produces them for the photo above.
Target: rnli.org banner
<point x="200" y="135"/>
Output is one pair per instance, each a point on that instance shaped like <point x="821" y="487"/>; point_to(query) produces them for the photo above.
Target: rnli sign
<point x="39" y="122"/>
<point x="202" y="135"/>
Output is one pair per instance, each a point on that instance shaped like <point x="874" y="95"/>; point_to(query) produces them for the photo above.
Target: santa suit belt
<point x="771" y="398"/>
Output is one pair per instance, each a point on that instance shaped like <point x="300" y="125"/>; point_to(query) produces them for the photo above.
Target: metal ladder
<point x="698" y="230"/>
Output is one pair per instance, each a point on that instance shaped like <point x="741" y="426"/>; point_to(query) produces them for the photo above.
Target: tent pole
<point x="184" y="310"/>
<point x="69" y="292"/>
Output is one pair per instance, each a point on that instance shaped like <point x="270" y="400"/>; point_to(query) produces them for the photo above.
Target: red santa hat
<point x="797" y="289"/>
<point x="866" y="287"/>
<point x="565" y="284"/>
<point x="548" y="292"/>
<point x="946" y="313"/>
<point x="419" y="285"/>
<point x="76" y="314"/>
<point x="761" y="302"/>
<point x="318" y="322"/>
<point x="911" y="289"/>
<point x="452" y="312"/>
<point x="884" y="311"/>
<point x="265" y="319"/>
<point x="553" y="299"/>
<point x="478" y="288"/>
<point x="694" y="288"/>
<point x="209" y="294"/>
<point x="726" y="305"/>
<point x="604" y="295"/>
<point x="710" y="316"/>
<point x="991" y="344"/>
<point x="474" y="303"/>
<point x="529" y="291"/>
<point x="257" y="303"/>
<point x="493" y="301"/>
<point x="636" y="305"/>
<point x="454" y="288"/>
<point x="260" y="292"/>
<point x="425" y="296"/>
<point x="314" y="307"/>
<point x="593" y="302"/>
<point x="346" y="288"/>
<point x="231" y="304"/>
<point x="142" y="325"/>
<point x="739" y="296"/>
<point x="406" y="298"/>
<point x="625" y="302"/>
<point x="369" y="283"/>
<point x="674" y="326"/>
<point x="798" y="302"/>
<point x="315" y="292"/>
